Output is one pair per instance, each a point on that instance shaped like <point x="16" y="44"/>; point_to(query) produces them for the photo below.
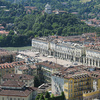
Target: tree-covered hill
<point x="49" y="24"/>
<point x="89" y="9"/>
<point x="35" y="25"/>
<point x="9" y="11"/>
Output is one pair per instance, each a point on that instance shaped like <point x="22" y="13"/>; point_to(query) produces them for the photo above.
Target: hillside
<point x="9" y="11"/>
<point x="84" y="8"/>
<point x="40" y="25"/>
<point x="35" y="25"/>
<point x="27" y="26"/>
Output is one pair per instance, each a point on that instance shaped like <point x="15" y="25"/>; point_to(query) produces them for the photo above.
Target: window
<point x="69" y="95"/>
<point x="71" y="81"/>
<point x="10" y="98"/>
<point x="18" y="98"/>
<point x="71" y="86"/>
<point x="2" y="98"/>
<point x="71" y="90"/>
<point x="66" y="90"/>
<point x="14" y="98"/>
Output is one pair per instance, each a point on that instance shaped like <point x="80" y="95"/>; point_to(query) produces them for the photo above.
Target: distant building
<point x="57" y="11"/>
<point x="48" y="9"/>
<point x="6" y="56"/>
<point x="16" y="90"/>
<point x="69" y="49"/>
<point x="27" y="79"/>
<point x="46" y="69"/>
<point x="9" y="67"/>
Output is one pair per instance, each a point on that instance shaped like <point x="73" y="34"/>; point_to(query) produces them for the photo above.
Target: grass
<point x="84" y="1"/>
<point x="17" y="48"/>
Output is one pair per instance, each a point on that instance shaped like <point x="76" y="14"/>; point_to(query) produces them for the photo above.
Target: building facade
<point x="14" y="90"/>
<point x="46" y="69"/>
<point x="48" y="9"/>
<point x="74" y="52"/>
<point x="77" y="82"/>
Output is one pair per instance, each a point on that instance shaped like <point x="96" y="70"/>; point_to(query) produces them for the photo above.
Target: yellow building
<point x="80" y="82"/>
<point x="74" y="86"/>
<point x="95" y="93"/>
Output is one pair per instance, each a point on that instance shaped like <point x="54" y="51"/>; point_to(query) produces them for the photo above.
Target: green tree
<point x="41" y="97"/>
<point x="36" y="81"/>
<point x="63" y="95"/>
<point x="47" y="95"/>
<point x="37" y="97"/>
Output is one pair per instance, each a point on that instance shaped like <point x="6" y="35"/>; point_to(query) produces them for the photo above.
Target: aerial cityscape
<point x="49" y="50"/>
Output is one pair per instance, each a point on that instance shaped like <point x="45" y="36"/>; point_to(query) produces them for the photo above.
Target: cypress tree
<point x="47" y="95"/>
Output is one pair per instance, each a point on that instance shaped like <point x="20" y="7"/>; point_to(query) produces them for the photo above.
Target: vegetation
<point x="47" y="95"/>
<point x="85" y="8"/>
<point x="36" y="81"/>
<point x="9" y="11"/>
<point x="27" y="26"/>
<point x="50" y="24"/>
<point x="41" y="97"/>
<point x="17" y="48"/>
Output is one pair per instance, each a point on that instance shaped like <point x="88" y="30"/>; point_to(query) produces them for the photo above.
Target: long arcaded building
<point x="74" y="52"/>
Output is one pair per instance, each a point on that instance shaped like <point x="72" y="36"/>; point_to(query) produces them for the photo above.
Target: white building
<point x="57" y="84"/>
<point x="67" y="51"/>
<point x="48" y="9"/>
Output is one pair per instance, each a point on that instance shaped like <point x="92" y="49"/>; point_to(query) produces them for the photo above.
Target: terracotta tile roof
<point x="13" y="83"/>
<point x="78" y="71"/>
<point x="4" y="32"/>
<point x="18" y="93"/>
<point x="49" y="64"/>
<point x="12" y="65"/>
<point x="18" y="76"/>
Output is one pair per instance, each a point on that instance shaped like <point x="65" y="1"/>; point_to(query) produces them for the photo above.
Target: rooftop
<point x="18" y="93"/>
<point x="13" y="83"/>
<point x="18" y="76"/>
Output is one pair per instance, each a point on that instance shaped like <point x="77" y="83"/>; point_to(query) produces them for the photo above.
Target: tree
<point x="11" y="32"/>
<point x="63" y="95"/>
<point x="37" y="97"/>
<point x="41" y="97"/>
<point x="47" y="95"/>
<point x="36" y="81"/>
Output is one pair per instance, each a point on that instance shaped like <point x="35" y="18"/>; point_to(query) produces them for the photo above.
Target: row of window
<point x="11" y="98"/>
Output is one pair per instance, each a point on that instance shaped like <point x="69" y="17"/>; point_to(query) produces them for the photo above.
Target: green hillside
<point x="27" y="26"/>
<point x="84" y="1"/>
<point x="85" y="8"/>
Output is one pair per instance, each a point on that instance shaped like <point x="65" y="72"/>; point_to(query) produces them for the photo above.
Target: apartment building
<point x="27" y="69"/>
<point x="46" y="69"/>
<point x="9" y="67"/>
<point x="77" y="82"/>
<point x="27" y="79"/>
<point x="16" y="90"/>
